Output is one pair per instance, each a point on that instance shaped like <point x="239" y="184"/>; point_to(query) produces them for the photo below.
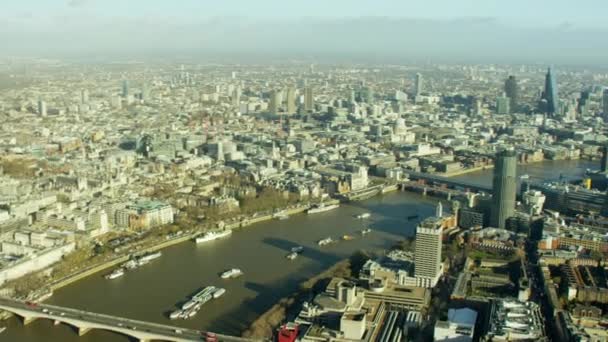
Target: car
<point x="178" y="331"/>
<point x="62" y="314"/>
<point x="120" y="324"/>
<point x="45" y="310"/>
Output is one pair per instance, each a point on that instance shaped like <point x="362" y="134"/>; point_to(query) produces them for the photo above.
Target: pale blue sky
<point x="587" y="13"/>
<point x="534" y="30"/>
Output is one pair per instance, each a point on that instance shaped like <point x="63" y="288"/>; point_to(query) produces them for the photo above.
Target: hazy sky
<point x="557" y="31"/>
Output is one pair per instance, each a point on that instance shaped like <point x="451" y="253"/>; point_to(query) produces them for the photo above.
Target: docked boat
<point x="189" y="304"/>
<point x="131" y="264"/>
<point x="283" y="217"/>
<point x="321" y="208"/>
<point x="364" y="215"/>
<point x="347" y="237"/>
<point x="524" y="177"/>
<point x="2" y="329"/>
<point x="297" y="249"/>
<point x="204" y="295"/>
<point x="119" y="272"/>
<point x="366" y="231"/>
<point x="146" y="258"/>
<point x="325" y="241"/>
<point x="176" y="314"/>
<point x="213" y="235"/>
<point x="190" y="312"/>
<point x="292" y="255"/>
<point x="232" y="273"/>
<point x="218" y="293"/>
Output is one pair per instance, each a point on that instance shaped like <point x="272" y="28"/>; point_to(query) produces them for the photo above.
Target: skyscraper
<point x="550" y="94"/>
<point x="275" y="102"/>
<point x="308" y="99"/>
<point x="512" y="92"/>
<point x="291" y="100"/>
<point x="427" y="260"/>
<point x="504" y="185"/>
<point x="236" y="96"/>
<point x="418" y="85"/>
<point x="125" y="88"/>
<point x="41" y="107"/>
<point x="84" y="96"/>
<point x="605" y="101"/>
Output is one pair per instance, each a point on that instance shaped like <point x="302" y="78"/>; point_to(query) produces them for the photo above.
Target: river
<point x="153" y="290"/>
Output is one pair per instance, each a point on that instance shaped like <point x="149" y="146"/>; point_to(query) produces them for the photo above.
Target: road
<point x="85" y="321"/>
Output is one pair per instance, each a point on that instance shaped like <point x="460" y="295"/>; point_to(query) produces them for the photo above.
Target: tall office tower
<point x="41" y="108"/>
<point x="427" y="260"/>
<point x="236" y="96"/>
<point x="502" y="105"/>
<point x="125" y="88"/>
<point x="504" y="185"/>
<point x="275" y="102"/>
<point x="312" y="68"/>
<point x="605" y="101"/>
<point x="604" y="163"/>
<point x="84" y="96"/>
<point x="308" y="100"/>
<point x="581" y="106"/>
<point x="291" y="100"/>
<point x="234" y="75"/>
<point x="550" y="94"/>
<point x="418" y="85"/>
<point x="512" y="92"/>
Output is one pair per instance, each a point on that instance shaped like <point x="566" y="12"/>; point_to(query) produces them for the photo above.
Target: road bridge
<point x="85" y="321"/>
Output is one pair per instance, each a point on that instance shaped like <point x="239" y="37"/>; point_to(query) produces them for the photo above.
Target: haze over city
<point x="554" y="32"/>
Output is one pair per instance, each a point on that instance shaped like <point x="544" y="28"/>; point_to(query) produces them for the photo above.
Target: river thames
<point x="150" y="292"/>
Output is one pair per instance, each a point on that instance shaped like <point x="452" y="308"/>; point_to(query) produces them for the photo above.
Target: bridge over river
<point x="84" y="321"/>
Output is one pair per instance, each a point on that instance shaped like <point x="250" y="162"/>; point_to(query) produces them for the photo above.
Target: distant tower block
<point x="84" y="96"/>
<point x="291" y="100"/>
<point x="505" y="186"/>
<point x="41" y="108"/>
<point x="418" y="84"/>
<point x="125" y="88"/>
<point x="308" y="99"/>
<point x="550" y="94"/>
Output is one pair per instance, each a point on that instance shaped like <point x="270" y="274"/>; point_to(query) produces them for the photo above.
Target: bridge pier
<point x="28" y="319"/>
<point x="83" y="330"/>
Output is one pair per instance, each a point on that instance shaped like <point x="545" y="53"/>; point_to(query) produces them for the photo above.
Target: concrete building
<point x="427" y="265"/>
<point x="290" y="101"/>
<point x="505" y="186"/>
<point x="274" y="103"/>
<point x="41" y="108"/>
<point x="308" y="99"/>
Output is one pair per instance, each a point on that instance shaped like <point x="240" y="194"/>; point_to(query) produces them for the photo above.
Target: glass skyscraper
<point x="550" y="94"/>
